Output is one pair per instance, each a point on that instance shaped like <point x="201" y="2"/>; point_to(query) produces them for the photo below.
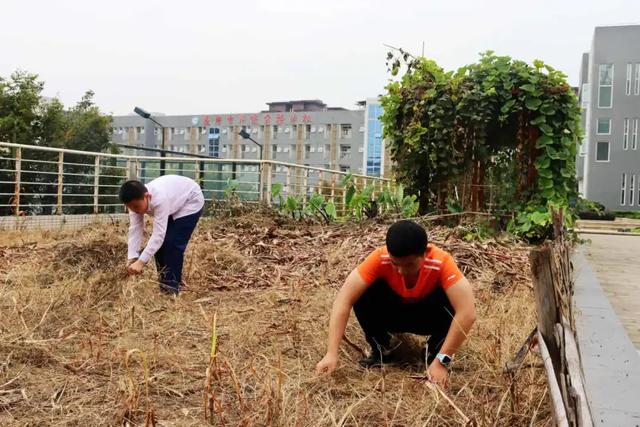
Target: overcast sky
<point x="198" y="56"/>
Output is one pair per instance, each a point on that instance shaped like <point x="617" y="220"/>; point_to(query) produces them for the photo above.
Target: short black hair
<point x="405" y="238"/>
<point x="132" y="190"/>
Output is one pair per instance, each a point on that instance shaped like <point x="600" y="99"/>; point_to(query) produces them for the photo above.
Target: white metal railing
<point x="47" y="180"/>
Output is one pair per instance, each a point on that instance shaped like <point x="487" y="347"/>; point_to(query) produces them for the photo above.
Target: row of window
<point x="605" y="83"/>
<point x="628" y="195"/>
<point x="345" y="150"/>
<point x="630" y="131"/>
<point x="345" y="131"/>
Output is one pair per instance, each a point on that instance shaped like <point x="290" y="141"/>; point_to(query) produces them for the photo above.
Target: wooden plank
<point x="559" y="412"/>
<point x="546" y="305"/>
<point x="576" y="379"/>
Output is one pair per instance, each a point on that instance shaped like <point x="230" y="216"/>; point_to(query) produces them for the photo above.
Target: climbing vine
<point x="499" y="134"/>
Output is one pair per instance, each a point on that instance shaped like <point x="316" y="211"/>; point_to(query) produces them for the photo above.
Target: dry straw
<point x="82" y="344"/>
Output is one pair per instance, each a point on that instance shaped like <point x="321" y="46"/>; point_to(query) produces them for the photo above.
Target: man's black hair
<point x="405" y="238"/>
<point x="132" y="190"/>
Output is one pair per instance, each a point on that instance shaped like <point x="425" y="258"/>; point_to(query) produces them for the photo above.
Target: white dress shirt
<point x="171" y="195"/>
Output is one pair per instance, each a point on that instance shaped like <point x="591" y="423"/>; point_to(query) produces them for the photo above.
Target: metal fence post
<point x="288" y="180"/>
<point x="305" y="183"/>
<point x="261" y="181"/>
<point x="96" y="185"/>
<point x="60" y="184"/>
<point x="197" y="173"/>
<point x="267" y="190"/>
<point x="16" y="191"/>
<point x="333" y="187"/>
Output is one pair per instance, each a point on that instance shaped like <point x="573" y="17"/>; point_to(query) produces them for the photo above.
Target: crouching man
<point x="406" y="286"/>
<point x="175" y="203"/>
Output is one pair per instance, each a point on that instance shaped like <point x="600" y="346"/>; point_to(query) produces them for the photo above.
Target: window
<point x="307" y="151"/>
<point x="275" y="131"/>
<point x="345" y="131"/>
<point x="307" y="132"/>
<point x="604" y="127"/>
<point x="605" y="87"/>
<point x="274" y="150"/>
<point x="627" y="86"/>
<point x="636" y="89"/>
<point x="623" y="191"/>
<point x="602" y="151"/>
<point x="345" y="152"/>
<point x="294" y="131"/>
<point x="625" y="137"/>
<point x="344" y="168"/>
<point x="632" y="189"/>
<point x="634" y="135"/>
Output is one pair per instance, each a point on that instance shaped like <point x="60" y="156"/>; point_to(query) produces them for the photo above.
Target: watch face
<point x="444" y="359"/>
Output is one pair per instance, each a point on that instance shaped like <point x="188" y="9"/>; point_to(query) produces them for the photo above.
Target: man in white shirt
<point x="175" y="203"/>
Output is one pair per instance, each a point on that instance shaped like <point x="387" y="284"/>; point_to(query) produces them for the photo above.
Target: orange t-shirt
<point x="438" y="269"/>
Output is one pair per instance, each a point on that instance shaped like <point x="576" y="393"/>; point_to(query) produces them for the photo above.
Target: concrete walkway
<point x="616" y="263"/>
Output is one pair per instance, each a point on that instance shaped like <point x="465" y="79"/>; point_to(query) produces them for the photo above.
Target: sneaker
<point x="376" y="358"/>
<point x="168" y="290"/>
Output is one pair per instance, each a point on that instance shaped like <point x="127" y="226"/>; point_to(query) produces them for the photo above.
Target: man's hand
<point x="135" y="267"/>
<point x="327" y="365"/>
<point x="438" y="374"/>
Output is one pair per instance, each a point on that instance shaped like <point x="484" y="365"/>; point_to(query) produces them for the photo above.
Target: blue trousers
<point x="170" y="256"/>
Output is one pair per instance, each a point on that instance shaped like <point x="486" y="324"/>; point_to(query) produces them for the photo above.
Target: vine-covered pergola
<point x="499" y="127"/>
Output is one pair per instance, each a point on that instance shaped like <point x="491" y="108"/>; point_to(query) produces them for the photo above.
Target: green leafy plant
<point x="393" y="200"/>
<point x="498" y="125"/>
<point x="276" y="193"/>
<point x="359" y="203"/>
<point x="318" y="207"/>
<point x="293" y="206"/>
<point x="478" y="231"/>
<point x="231" y="189"/>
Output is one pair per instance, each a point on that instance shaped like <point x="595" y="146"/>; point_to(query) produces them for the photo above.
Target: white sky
<point x="198" y="56"/>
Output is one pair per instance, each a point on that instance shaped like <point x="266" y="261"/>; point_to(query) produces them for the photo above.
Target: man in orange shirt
<point x="406" y="286"/>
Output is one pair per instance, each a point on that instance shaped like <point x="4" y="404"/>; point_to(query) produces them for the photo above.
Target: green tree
<point x="27" y="118"/>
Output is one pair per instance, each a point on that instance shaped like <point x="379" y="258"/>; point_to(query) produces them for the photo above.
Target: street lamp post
<point x="146" y="115"/>
<point x="245" y="135"/>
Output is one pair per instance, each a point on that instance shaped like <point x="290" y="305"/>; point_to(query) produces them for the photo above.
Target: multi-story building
<point x="608" y="163"/>
<point x="305" y="132"/>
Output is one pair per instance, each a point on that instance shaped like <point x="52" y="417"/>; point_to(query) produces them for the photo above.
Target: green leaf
<point x="543" y="141"/>
<point x="542" y="162"/>
<point x="548" y="193"/>
<point x="528" y="88"/>
<point x="545" y="183"/>
<point x="539" y="218"/>
<point x="351" y="191"/>
<point x="546" y="129"/>
<point x="538" y="120"/>
<point x="552" y="153"/>
<point x="546" y="173"/>
<point x="533" y="103"/>
<point x="331" y="210"/>
<point x="276" y="189"/>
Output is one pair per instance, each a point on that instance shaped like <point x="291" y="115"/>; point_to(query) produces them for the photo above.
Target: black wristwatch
<point x="445" y="359"/>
